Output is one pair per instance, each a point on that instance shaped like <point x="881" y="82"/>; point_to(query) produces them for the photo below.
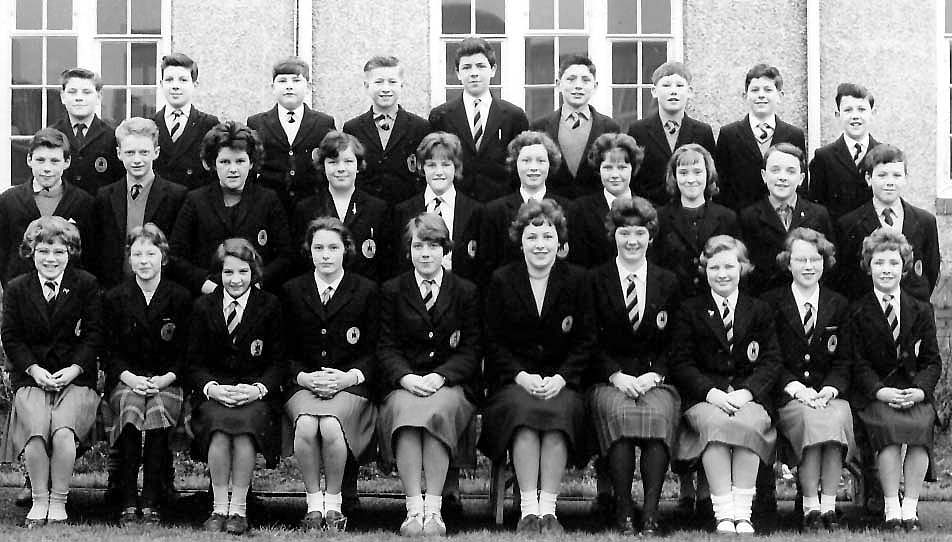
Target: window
<point x="627" y="40"/>
<point x="944" y="147"/>
<point x="123" y="40"/>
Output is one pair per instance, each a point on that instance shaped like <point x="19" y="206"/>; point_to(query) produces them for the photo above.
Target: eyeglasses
<point x="813" y="260"/>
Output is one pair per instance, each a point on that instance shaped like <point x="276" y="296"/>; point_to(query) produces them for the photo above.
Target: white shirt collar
<point x="185" y="109"/>
<point x="731" y="300"/>
<point x="321" y="285"/>
<point x="896" y="207"/>
<point x="666" y="117"/>
<point x="879" y="295"/>
<point x="484" y="100"/>
<point x="525" y="195"/>
<point x="851" y="143"/>
<point x="298" y="113"/>
<point x="448" y="197"/>
<point x="419" y="278"/>
<point x="754" y="121"/>
<point x="43" y="280"/>
<point x="641" y="272"/>
<point x="585" y="110"/>
<point x="242" y="300"/>
<point x="38" y="188"/>
<point x="611" y="198"/>
<point x="799" y="299"/>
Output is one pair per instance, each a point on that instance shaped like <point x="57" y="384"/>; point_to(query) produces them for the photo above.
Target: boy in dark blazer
<point x="290" y="132"/>
<point x="140" y="198"/>
<point x="484" y="123"/>
<point x="667" y="130"/>
<point x="389" y="133"/>
<point x="181" y="125"/>
<point x="741" y="145"/>
<point x="92" y="141"/>
<point x="835" y="177"/>
<point x="574" y="126"/>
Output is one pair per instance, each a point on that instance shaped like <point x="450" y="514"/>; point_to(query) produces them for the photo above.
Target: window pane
<point x="540" y="60"/>
<point x="20" y="171"/>
<point x="29" y="14"/>
<point x="143" y="63"/>
<point x="27" y="61"/>
<point x="27" y="111"/>
<point x="497" y="48"/>
<point x="143" y="102"/>
<point x="490" y="16"/>
<point x="625" y="106"/>
<point x="653" y="54"/>
<point x="114" y="104"/>
<point x="572" y="46"/>
<point x="541" y="14"/>
<point x="624" y="62"/>
<point x="114" y="63"/>
<point x="649" y="105"/>
<point x="539" y="102"/>
<point x="60" y="55"/>
<point x="111" y="17"/>
<point x="453" y="94"/>
<point x="146" y="16"/>
<point x="656" y="17"/>
<point x="451" y="49"/>
<point x="54" y="106"/>
<point x="571" y="14"/>
<point x="59" y="14"/>
<point x="948" y="17"/>
<point x="456" y="14"/>
<point x="622" y="16"/>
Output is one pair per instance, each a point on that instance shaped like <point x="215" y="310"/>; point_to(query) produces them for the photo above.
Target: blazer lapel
<point x="156" y="196"/>
<point x="843" y="154"/>
<point x="461" y="215"/>
<point x="552" y="124"/>
<point x="307" y="125"/>
<point x="354" y="208"/>
<point x="411" y="292"/>
<point x="117" y="198"/>
<point x="24" y="194"/>
<point x="910" y="226"/>
<point x="790" y="310"/>
<point x="63" y="297"/>
<point x="35" y="293"/>
<point x="445" y="296"/>
<point x="136" y="301"/>
<point x="493" y="122"/>
<point x="906" y="318"/>
<point x="457" y="116"/>
<point x="249" y="317"/>
<point x="652" y="296"/>
<point x="553" y="289"/>
<point x="312" y="298"/>
<point x="769" y="217"/>
<point x="340" y="299"/>
<point x="656" y="133"/>
<point x="272" y="123"/>
<point x="189" y="133"/>
<point x="399" y="128"/>
<point x="741" y="318"/>
<point x="368" y="130"/>
<point x="748" y="139"/>
<point x="610" y="286"/>
<point x="96" y="129"/>
<point x="824" y="312"/>
<point x="714" y="321"/>
<point x="801" y="214"/>
<point x="215" y="201"/>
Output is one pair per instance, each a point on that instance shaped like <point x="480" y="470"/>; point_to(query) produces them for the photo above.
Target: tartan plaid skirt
<point x="654" y="415"/>
<point x="705" y="423"/>
<point x="39" y="413"/>
<point x="159" y="411"/>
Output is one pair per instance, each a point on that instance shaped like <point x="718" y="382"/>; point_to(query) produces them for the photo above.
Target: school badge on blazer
<point x="101" y="165"/>
<point x="567" y="324"/>
<point x="753" y="351"/>
<point x="471" y="248"/>
<point x="831" y="343"/>
<point x="314" y="154"/>
<point x="917" y="267"/>
<point x="412" y="163"/>
<point x="257" y="347"/>
<point x="454" y="339"/>
<point x="353" y="335"/>
<point x="263" y="237"/>
<point x="563" y="252"/>
<point x="167" y="331"/>
<point x="662" y="319"/>
<point x="368" y="249"/>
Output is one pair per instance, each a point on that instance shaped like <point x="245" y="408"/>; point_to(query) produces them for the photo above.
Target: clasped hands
<point x="816" y="399"/>
<point x="48" y="381"/>
<point x="540" y="387"/>
<point x="326" y="382"/>
<point x="146" y="385"/>
<point x="634" y="386"/>
<point x="234" y="395"/>
<point x="423" y="386"/>
<point x="900" y="399"/>
<point x="729" y="402"/>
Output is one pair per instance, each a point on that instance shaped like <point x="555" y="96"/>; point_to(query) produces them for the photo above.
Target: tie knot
<point x="290" y="116"/>
<point x="887" y="212"/>
<point x="476" y="102"/>
<point x="808" y="305"/>
<point x="79" y="126"/>
<point x="50" y="284"/>
<point x="632" y="277"/>
<point x="888" y="298"/>
<point x="177" y="113"/>
<point x="858" y="147"/>
<point x="233" y="305"/>
<point x="429" y="282"/>
<point x="671" y="126"/>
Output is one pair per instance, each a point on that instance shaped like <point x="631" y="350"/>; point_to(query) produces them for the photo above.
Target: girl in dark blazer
<point x="724" y="361"/>
<point x="891" y="340"/>
<point x="690" y="218"/>
<point x="52" y="334"/>
<point x="339" y="158"/>
<point x="816" y="422"/>
<point x="235" y="362"/>
<point x="148" y="319"/>
<point x="429" y="352"/>
<point x="332" y="332"/>
<point x="539" y="340"/>
<point x="633" y="301"/>
<point x="232" y="207"/>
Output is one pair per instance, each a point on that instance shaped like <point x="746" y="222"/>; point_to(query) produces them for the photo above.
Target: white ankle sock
<point x="220" y="500"/>
<point x="315" y="502"/>
<point x="529" y="503"/>
<point x="723" y="506"/>
<point x="238" y="505"/>
<point x="57" y="510"/>
<point x="743" y="499"/>
<point x="891" y="507"/>
<point x="810" y="504"/>
<point x="41" y="505"/>
<point x="827" y="503"/>
<point x="332" y="501"/>
<point x="908" y="508"/>
<point x="547" y="503"/>
<point x="432" y="504"/>
<point x="415" y="505"/>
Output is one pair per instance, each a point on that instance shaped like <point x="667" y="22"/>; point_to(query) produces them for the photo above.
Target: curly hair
<point x="231" y="135"/>
<point x="242" y="249"/>
<point x="723" y="243"/>
<point x="634" y="153"/>
<point x="51" y="229"/>
<point x="886" y="239"/>
<point x="530" y="137"/>
<point x="538" y="213"/>
<point x="633" y="211"/>
<point x="151" y="233"/>
<point x="815" y="238"/>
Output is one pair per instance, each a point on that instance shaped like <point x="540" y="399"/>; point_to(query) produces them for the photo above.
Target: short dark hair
<point x="441" y="142"/>
<point x="180" y="60"/>
<point x="336" y="142"/>
<point x="291" y="65"/>
<point x="531" y="137"/>
<point x="786" y="148"/>
<point x="241" y="248"/>
<point x="884" y="153"/>
<point x="428" y="227"/>
<point x="382" y="61"/>
<point x="151" y="233"/>
<point x="51" y="138"/>
<point x="671" y="68"/>
<point x="538" y="213"/>
<point x="50" y="229"/>
<point x="80" y="73"/>
<point x="232" y="135"/>
<point x="475" y="46"/>
<point x="633" y="211"/>
<point x="634" y="153"/>
<point x="576" y="60"/>
<point x="765" y="71"/>
<point x="856" y="91"/>
<point x="886" y="238"/>
<point x="688" y="155"/>
<point x="722" y="243"/>
<point x="330" y="223"/>
<point x="815" y="238"/>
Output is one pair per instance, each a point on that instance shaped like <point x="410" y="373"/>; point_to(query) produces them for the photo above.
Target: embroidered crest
<point x="753" y="351"/>
<point x="454" y="339"/>
<point x="257" y="346"/>
<point x="411" y="163"/>
<point x="471" y="248"/>
<point x="79" y="327"/>
<point x="662" y="319"/>
<point x="369" y="249"/>
<point x="916" y="347"/>
<point x="353" y="335"/>
<point x="263" y="237"/>
<point x="563" y="252"/>
<point x="188" y="171"/>
<point x="918" y="267"/>
<point x="831" y="344"/>
<point x="101" y="164"/>
<point x="567" y="324"/>
<point x="168" y="331"/>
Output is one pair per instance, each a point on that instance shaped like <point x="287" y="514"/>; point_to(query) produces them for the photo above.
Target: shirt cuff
<point x="359" y="374"/>
<point x="261" y="388"/>
<point x="793" y="388"/>
<point x="206" y="387"/>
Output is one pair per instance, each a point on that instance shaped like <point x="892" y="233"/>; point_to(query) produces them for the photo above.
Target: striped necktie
<point x="728" y="324"/>
<point x="232" y="320"/>
<point x="809" y="322"/>
<point x="429" y="296"/>
<point x="437" y="206"/>
<point x="631" y="303"/>
<point x="177" y="120"/>
<point x="326" y="295"/>
<point x="477" y="123"/>
<point x="888" y="217"/>
<point x="51" y="292"/>
<point x="891" y="319"/>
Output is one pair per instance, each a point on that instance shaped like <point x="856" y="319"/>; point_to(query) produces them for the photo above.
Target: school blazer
<point x="559" y="341"/>
<point x="589" y="243"/>
<point x="446" y="341"/>
<point x="681" y="239"/>
<point x="257" y="353"/>
<point x="764" y="235"/>
<point x="587" y="180"/>
<point x="204" y="222"/>
<point x="919" y="227"/>
<point x="110" y="212"/>
<point x="700" y="359"/>
<point x="821" y="361"/>
<point x="71" y="332"/>
<point x="18" y="208"/>
<point x="485" y="176"/>
<point x="391" y="173"/>
<point x="343" y="334"/>
<point x="146" y="340"/>
<point x="495" y="247"/>
<point x="467" y="216"/>
<point x="367" y="218"/>
<point x="619" y="347"/>
<point x="96" y="163"/>
<point x="288" y="168"/>
<point x="180" y="161"/>
<point x="836" y="181"/>
<point x="873" y="352"/>
<point x="739" y="161"/>
<point x="649" y="182"/>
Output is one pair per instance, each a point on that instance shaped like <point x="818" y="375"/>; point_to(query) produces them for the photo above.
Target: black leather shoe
<point x="911" y="525"/>
<point x="893" y="525"/>
<point x="650" y="528"/>
<point x="313" y="521"/>
<point x="549" y="525"/>
<point x="215" y="523"/>
<point x="128" y="517"/>
<point x="812" y="521"/>
<point x="236" y="524"/>
<point x="830" y="521"/>
<point x="624" y="525"/>
<point x="528" y="525"/>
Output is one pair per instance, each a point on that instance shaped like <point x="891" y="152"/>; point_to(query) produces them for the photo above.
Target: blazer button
<point x="323" y="332"/>
<point x="806" y="374"/>
<point x="432" y="354"/>
<point x="429" y="335"/>
<point x="806" y="357"/>
<point x="323" y="353"/>
<point x="291" y="173"/>
<point x="188" y="171"/>
<point x="290" y="153"/>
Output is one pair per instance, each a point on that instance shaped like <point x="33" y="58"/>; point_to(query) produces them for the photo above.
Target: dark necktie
<point x="291" y="117"/>
<point x="383" y="122"/>
<point x="232" y="321"/>
<point x="437" y="206"/>
<point x="888" y="217"/>
<point x="891" y="320"/>
<point x="176" y="124"/>
<point x="785" y="213"/>
<point x="135" y="191"/>
<point x="631" y="303"/>
<point x="80" y="131"/>
<point x="326" y="294"/>
<point x="429" y="297"/>
<point x="575" y="119"/>
<point x="671" y="126"/>
<point x="765" y="131"/>
<point x="51" y="292"/>
<point x="809" y="321"/>
<point x="859" y="151"/>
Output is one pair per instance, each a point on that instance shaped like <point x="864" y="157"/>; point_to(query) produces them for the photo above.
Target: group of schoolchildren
<point x="589" y="292"/>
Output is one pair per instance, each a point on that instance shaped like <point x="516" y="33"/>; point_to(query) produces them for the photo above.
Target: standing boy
<point x="92" y="141"/>
<point x="670" y="128"/>
<point x="484" y="123"/>
<point x="574" y="126"/>
<point x="741" y="145"/>
<point x="389" y="133"/>
<point x="181" y="126"/>
<point x="291" y="133"/>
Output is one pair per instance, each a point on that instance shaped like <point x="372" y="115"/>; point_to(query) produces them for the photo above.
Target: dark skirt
<point x="39" y="413"/>
<point x="513" y="407"/>
<point x="357" y="417"/>
<point x="445" y="415"/>
<point x="655" y="415"/>
<point x="803" y="426"/>
<point x="259" y="420"/>
<point x="885" y="426"/>
<point x="705" y="423"/>
<point x="126" y="407"/>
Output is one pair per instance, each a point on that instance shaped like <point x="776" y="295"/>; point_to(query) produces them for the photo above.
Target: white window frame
<point x="88" y="55"/>
<point x="513" y="48"/>
<point x="944" y="119"/>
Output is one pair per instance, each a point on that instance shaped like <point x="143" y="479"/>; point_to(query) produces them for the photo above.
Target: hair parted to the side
<point x="763" y="71"/>
<point x="475" y="46"/>
<point x="884" y="153"/>
<point x="815" y="238"/>
<point x="688" y="155"/>
<point x="855" y="91"/>
<point x="786" y="148"/>
<point x="180" y="60"/>
<point x="633" y="211"/>
<point x="430" y="228"/>
<point x="538" y="213"/>
<point x="241" y="248"/>
<point x="723" y="243"/>
<point x="441" y="144"/>
<point x="531" y="137"/>
<point x="333" y="224"/>
<point x="80" y="73"/>
<point x="51" y="229"/>
<point x="883" y="239"/>
<point x="50" y="138"/>
<point x="336" y="142"/>
<point x="137" y="126"/>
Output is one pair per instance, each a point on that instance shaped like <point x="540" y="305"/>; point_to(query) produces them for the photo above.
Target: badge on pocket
<point x="101" y="165"/>
<point x="353" y="335"/>
<point x="662" y="320"/>
<point x="753" y="351"/>
<point x="257" y="347"/>
<point x="263" y="237"/>
<point x="454" y="339"/>
<point x="369" y="249"/>
<point x="168" y="331"/>
<point x="567" y="324"/>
